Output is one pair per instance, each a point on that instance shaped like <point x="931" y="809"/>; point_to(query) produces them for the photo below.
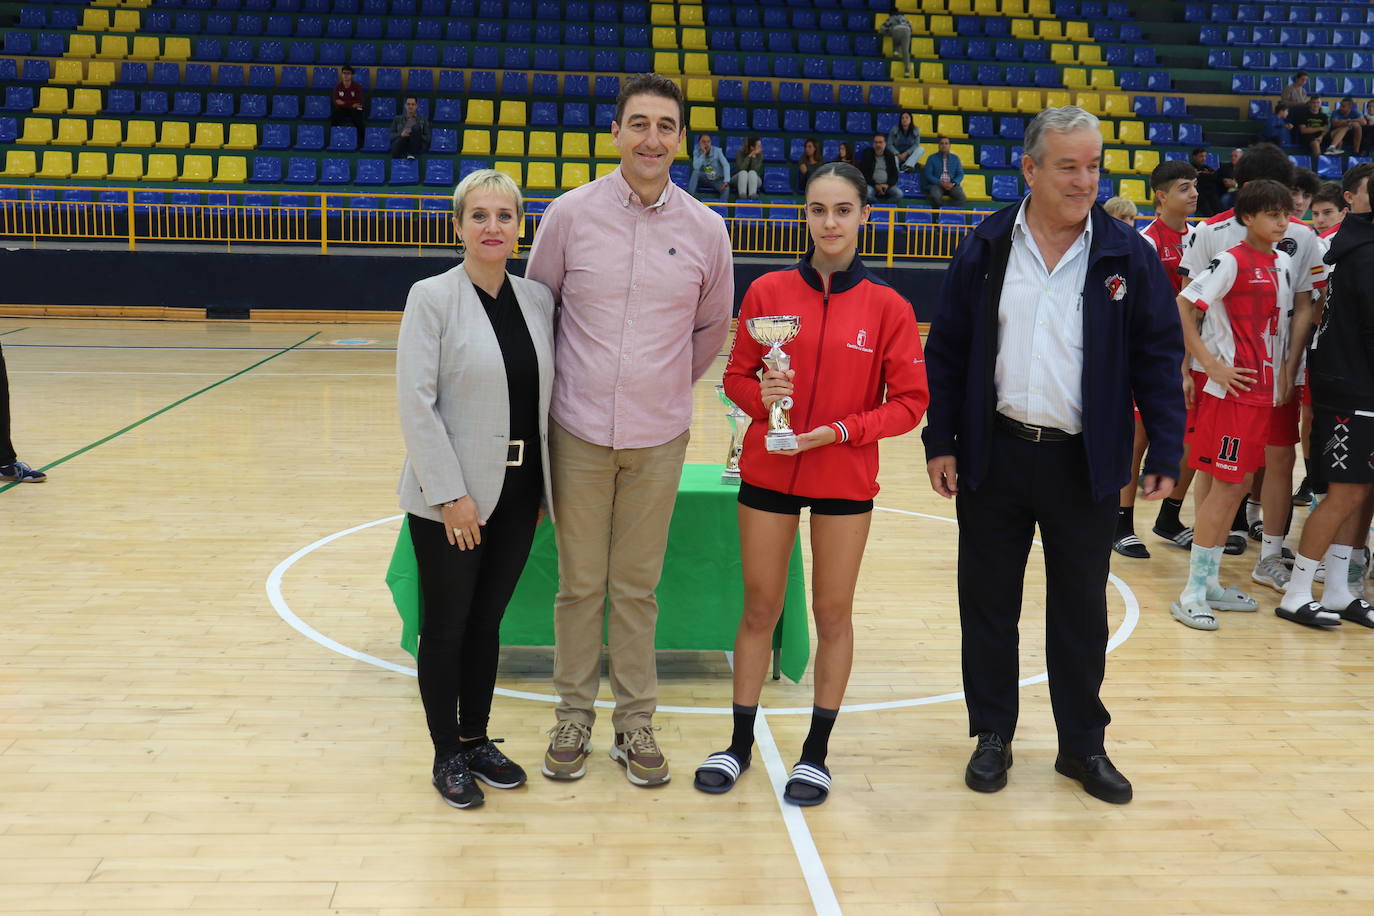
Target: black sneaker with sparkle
<point x="455" y="784"/>
<point x="487" y="763"/>
<point x="1302" y="496"/>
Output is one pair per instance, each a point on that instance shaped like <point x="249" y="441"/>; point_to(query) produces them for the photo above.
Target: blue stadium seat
<point x="1131" y="80"/>
<point x="452" y="81"/>
<point x="343" y="139"/>
<point x="442" y="140"/>
<point x="981" y="126"/>
<point x="760" y="91"/>
<point x="261" y="76"/>
<point x="992" y="156"/>
<point x="1159" y="81"/>
<point x="542" y="114"/>
<point x="1144" y="106"/>
<point x="275" y="136"/>
<point x="791" y="93"/>
<point x="382" y="108"/>
<point x="131" y="73"/>
<point x="603" y="114"/>
<point x="777" y="179"/>
<point x="1006" y="187"/>
<point x="1160" y="132"/>
<point x="388" y="79"/>
<point x="576" y="114"/>
<point x="266" y="170"/>
<point x="1020" y="75"/>
<point x="797" y="120"/>
<point x="858" y="123"/>
<point x="1244" y="83"/>
<point x="152" y="102"/>
<point x="990" y="75"/>
<point x="252" y="105"/>
<point x="310" y="137"/>
<point x="228" y="76"/>
<point x="301" y="170"/>
<point x="117" y="101"/>
<point x="371" y="172"/>
<point x="35" y="71"/>
<point x="765" y="119"/>
<point x="405" y="171"/>
<point x="961" y="74"/>
<point x="729" y="91"/>
<point x="378" y="139"/>
<point x="482" y="82"/>
<point x="1329" y="168"/>
<point x="439" y="172"/>
<point x="1012" y="128"/>
<point x="881" y="96"/>
<point x="17" y="43"/>
<point x="545" y="84"/>
<point x="576" y="84"/>
<point x="335" y="171"/>
<point x="1190" y="134"/>
<point x="9" y="129"/>
<point x="773" y="149"/>
<point x="827" y="122"/>
<point x="734" y="118"/>
<point x="1175" y="106"/>
<point x="186" y="104"/>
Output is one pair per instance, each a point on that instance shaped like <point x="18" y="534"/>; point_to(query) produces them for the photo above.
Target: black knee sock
<point x="742" y="741"/>
<point x="1125" y="521"/>
<point x="1239" y="523"/>
<point x="817" y="741"/>
<point x="1168" y="513"/>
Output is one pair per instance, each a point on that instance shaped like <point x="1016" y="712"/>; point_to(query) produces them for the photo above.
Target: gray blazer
<point x="451" y="389"/>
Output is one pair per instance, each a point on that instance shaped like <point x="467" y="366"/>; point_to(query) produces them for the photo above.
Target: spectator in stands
<point x="905" y="140"/>
<point x="944" y="176"/>
<point x="1122" y="208"/>
<point x="1277" y="128"/>
<point x="1208" y="195"/>
<point x="1312" y="126"/>
<point x="843" y="154"/>
<point x="709" y="164"/>
<point x="749" y="169"/>
<point x="1226" y="179"/>
<point x="348" y="103"/>
<point x="1305" y="186"/>
<point x="409" y="132"/>
<point x="11" y="468"/>
<point x="1368" y="117"/>
<point x="896" y="27"/>
<point x="1346" y="119"/>
<point x="879" y="165"/>
<point x="1295" y="93"/>
<point x="810" y="160"/>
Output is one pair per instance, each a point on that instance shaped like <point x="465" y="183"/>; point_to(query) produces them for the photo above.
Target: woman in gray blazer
<point x="474" y="370"/>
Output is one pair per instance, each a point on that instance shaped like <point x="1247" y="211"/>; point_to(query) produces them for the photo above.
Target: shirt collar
<point x="1021" y="226"/>
<point x="626" y="195"/>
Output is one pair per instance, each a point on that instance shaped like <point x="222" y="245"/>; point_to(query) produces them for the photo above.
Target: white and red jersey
<point x="1241" y="291"/>
<point x="1169" y="245"/>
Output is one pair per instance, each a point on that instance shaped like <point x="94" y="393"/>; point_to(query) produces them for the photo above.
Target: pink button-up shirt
<point x="645" y="295"/>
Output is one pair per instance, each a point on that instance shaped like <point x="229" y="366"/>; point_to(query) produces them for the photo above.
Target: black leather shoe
<point x="987" y="768"/>
<point x="1099" y="778"/>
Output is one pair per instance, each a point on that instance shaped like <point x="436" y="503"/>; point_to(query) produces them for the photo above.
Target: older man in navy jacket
<point x="1052" y="317"/>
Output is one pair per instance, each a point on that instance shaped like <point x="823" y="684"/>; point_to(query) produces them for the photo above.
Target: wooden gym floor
<point x="168" y="744"/>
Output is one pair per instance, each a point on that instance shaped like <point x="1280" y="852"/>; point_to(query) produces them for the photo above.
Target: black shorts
<point x="773" y="501"/>
<point x="1346" y="441"/>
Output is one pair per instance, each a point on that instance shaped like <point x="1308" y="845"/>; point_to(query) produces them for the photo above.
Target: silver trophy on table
<point x="773" y="331"/>
<point x="734" y="415"/>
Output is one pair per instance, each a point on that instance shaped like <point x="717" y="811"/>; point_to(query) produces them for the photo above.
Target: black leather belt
<point x="1032" y="433"/>
<point x="515" y="453"/>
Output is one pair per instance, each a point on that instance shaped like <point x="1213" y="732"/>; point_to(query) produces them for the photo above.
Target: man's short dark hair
<point x="1299" y="74"/>
<point x="1263" y="195"/>
<point x="1196" y="150"/>
<point x="1264" y="160"/>
<point x="1330" y="192"/>
<point x="1356" y="174"/>
<point x="1306" y="181"/>
<point x="651" y="84"/>
<point x="1281" y="106"/>
<point x="345" y="69"/>
<point x="1166" y="173"/>
<point x="878" y="134"/>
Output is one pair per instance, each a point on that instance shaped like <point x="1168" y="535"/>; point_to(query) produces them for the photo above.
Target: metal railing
<point x="320" y="220"/>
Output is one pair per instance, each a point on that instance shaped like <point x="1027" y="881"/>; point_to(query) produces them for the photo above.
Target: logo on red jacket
<point x="1116" y="287"/>
<point x="860" y="342"/>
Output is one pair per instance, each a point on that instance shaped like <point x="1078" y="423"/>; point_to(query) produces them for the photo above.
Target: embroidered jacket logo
<point x="860" y="342"/>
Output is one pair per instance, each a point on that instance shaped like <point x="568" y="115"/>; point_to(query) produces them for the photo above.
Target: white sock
<point x="1202" y="564"/>
<point x="1336" y="595"/>
<point x="1299" y="590"/>
<point x="1271" y="546"/>
<point x="1253" y="511"/>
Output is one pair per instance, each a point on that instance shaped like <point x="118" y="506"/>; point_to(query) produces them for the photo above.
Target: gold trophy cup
<point x="734" y="415"/>
<point x="773" y="331"/>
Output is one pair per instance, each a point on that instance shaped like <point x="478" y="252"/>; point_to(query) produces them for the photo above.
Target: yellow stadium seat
<point x="104" y="2"/>
<point x="1051" y="30"/>
<point x="1077" y="31"/>
<point x="696" y="63"/>
<point x="176" y="49"/>
<point x="986" y="8"/>
<point x="576" y="146"/>
<point x="1088" y="101"/>
<point x="146" y="47"/>
<point x="541" y="177"/>
<point x="71" y="132"/>
<point x="1102" y="79"/>
<point x="896" y="71"/>
<point x="126" y="21"/>
<point x="574" y="175"/>
<point x="161" y="167"/>
<point x="942" y="26"/>
<point x="1028" y="101"/>
<point x="975" y="187"/>
<point x="476" y="143"/>
<point x="951" y="126"/>
<point x="667" y="62"/>
<point x="37" y="132"/>
<point x="922" y="48"/>
<point x="127" y="167"/>
<point x="105" y="132"/>
<point x="56" y="164"/>
<point x="1013" y="8"/>
<point x="910" y="97"/>
<point x="68" y="71"/>
<point x="19" y="163"/>
<point x="1116" y="160"/>
<point x="964" y="151"/>
<point x="1061" y="54"/>
<point x="510" y="143"/>
<point x="513" y="114"/>
<point x="1145" y="161"/>
<point x="1090" y="55"/>
<point x="1134" y="190"/>
<point x="1057" y="98"/>
<point x="51" y="100"/>
<point x="175" y="135"/>
<point x="662" y="14"/>
<point x="242" y="136"/>
<point x="481" y="111"/>
<point x="99" y="73"/>
<point x="113" y="47"/>
<point x="1117" y="105"/>
<point x="94" y="166"/>
<point x="81" y="46"/>
<point x="961" y="7"/>
<point x="1023" y="28"/>
<point x="543" y="143"/>
<point x="1040" y="9"/>
<point x="702" y="117"/>
<point x="1108" y="131"/>
<point x="1075" y="77"/>
<point x="971" y="100"/>
<point x="209" y="135"/>
<point x="95" y="20"/>
<point x="689" y="14"/>
<point x="515" y="170"/>
<point x="231" y="170"/>
<point x="606" y="148"/>
<point x="1132" y="132"/>
<point x="699" y="90"/>
<point x="1000" y="100"/>
<point x="931" y="72"/>
<point x="140" y="133"/>
<point x="605" y="168"/>
<point x="664" y="37"/>
<point x="924" y="123"/>
<point x="197" y="168"/>
<point x="940" y="98"/>
<point x="85" y="102"/>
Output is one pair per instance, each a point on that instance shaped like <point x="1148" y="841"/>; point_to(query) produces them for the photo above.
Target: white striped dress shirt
<point x="1039" y="371"/>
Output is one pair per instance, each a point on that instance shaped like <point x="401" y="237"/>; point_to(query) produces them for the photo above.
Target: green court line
<point x="157" y="413"/>
<point x="15" y="331"/>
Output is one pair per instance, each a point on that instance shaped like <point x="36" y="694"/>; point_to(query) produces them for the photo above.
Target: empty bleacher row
<point x="1354" y="13"/>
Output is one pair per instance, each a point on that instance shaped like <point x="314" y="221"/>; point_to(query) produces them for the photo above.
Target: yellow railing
<point x="321" y="219"/>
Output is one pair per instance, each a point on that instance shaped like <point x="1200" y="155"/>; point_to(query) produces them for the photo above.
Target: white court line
<point x="210" y="374"/>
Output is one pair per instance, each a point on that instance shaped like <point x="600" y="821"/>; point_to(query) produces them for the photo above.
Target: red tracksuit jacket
<point x="858" y="340"/>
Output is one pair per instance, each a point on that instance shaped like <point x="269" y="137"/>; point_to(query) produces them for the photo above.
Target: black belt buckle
<point x="515" y="453"/>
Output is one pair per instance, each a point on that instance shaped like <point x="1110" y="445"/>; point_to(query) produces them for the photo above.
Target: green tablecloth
<point x="699" y="597"/>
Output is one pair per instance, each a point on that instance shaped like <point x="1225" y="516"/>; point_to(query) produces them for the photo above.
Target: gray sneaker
<point x="570" y="743"/>
<point x="638" y="751"/>
<point x="1272" y="572"/>
<point x="1354" y="580"/>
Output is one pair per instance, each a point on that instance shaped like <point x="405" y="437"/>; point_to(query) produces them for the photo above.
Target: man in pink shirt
<point x="644" y="279"/>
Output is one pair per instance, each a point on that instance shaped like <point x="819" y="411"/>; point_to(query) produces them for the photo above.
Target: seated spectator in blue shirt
<point x="1276" y="128"/>
<point x="708" y="162"/>
<point x="944" y="176"/>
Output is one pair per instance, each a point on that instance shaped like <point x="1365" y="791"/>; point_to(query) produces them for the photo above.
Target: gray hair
<point x="1061" y="121"/>
<point x="487" y="180"/>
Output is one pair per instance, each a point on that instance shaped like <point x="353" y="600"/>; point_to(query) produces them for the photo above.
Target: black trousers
<point x="352" y="116"/>
<point x="7" y="455"/>
<point x="465" y="593"/>
<point x="1028" y="484"/>
<point x="414" y="145"/>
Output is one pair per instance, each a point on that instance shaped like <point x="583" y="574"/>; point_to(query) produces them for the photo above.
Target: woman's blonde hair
<point x="1119" y="207"/>
<point x="487" y="180"/>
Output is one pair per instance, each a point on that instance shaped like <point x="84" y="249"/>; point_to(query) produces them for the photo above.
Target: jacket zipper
<point x="815" y="378"/>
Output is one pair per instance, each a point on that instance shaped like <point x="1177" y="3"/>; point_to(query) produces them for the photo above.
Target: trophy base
<point x="780" y="440"/>
<point x="730" y="478"/>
